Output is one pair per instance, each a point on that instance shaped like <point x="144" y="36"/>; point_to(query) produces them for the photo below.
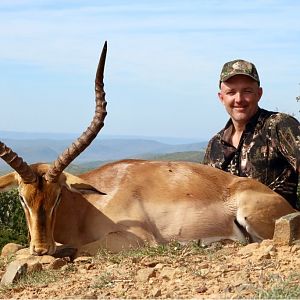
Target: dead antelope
<point x="132" y="202"/>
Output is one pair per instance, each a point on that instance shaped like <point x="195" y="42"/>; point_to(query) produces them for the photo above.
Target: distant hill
<point x="100" y="151"/>
<point x="193" y="156"/>
<point x="71" y="136"/>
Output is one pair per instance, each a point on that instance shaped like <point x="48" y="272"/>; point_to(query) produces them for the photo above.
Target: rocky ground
<point x="220" y="271"/>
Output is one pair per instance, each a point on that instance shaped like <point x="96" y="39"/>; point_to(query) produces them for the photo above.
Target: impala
<point x="132" y="202"/>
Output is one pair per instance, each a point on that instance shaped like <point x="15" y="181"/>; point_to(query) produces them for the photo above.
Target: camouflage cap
<point x="238" y="67"/>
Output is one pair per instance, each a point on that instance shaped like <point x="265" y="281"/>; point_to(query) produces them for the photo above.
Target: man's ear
<point x="260" y="92"/>
<point x="220" y="95"/>
<point x="8" y="182"/>
<point x="76" y="184"/>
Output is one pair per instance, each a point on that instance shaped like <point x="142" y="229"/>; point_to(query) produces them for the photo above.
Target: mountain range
<point x="34" y="148"/>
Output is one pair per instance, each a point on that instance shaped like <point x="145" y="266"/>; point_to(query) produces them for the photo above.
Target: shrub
<point x="13" y="227"/>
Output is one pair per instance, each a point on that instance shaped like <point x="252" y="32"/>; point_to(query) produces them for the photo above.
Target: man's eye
<point x="230" y="93"/>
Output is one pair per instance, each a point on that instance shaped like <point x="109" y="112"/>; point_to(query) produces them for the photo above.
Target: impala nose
<point x="39" y="251"/>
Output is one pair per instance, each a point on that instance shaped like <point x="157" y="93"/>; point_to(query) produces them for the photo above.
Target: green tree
<point x="13" y="227"/>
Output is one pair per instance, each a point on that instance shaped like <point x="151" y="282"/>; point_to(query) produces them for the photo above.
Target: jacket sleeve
<point x="207" y="155"/>
<point x="288" y="134"/>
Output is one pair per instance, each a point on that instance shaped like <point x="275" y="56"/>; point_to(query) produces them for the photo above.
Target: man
<point x="255" y="143"/>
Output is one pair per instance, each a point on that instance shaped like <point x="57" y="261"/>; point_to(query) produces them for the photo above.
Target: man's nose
<point x="239" y="97"/>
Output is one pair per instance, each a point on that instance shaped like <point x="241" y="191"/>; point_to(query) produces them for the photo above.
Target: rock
<point x="159" y="266"/>
<point x="287" y="229"/>
<point x="47" y="259"/>
<point x="248" y="249"/>
<point x="149" y="263"/>
<point x="10" y="249"/>
<point x="89" y="296"/>
<point x="31" y="260"/>
<point x="35" y="267"/>
<point x="268" y="249"/>
<point x="204" y="265"/>
<point x="83" y="259"/>
<point x="266" y="243"/>
<point x="295" y="248"/>
<point x="167" y="273"/>
<point x="143" y="275"/>
<point x="264" y="255"/>
<point x="15" y="270"/>
<point x="201" y="289"/>
<point x="57" y="264"/>
<point x="156" y="292"/>
<point x="240" y="277"/>
<point x="23" y="253"/>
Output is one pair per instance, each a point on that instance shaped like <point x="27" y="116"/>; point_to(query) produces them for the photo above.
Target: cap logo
<point x="242" y="65"/>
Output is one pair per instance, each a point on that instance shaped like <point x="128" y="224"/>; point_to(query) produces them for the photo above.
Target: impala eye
<point x="22" y="201"/>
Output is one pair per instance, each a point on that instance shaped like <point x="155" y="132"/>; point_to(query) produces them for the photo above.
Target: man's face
<point x="240" y="95"/>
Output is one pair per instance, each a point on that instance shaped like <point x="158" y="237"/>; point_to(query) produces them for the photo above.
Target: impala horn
<point x="91" y="132"/>
<point x="17" y="163"/>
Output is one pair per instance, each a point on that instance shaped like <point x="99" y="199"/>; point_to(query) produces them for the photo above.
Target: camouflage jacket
<point x="269" y="151"/>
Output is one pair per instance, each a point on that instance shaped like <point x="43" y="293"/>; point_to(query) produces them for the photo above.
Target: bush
<point x="13" y="227"/>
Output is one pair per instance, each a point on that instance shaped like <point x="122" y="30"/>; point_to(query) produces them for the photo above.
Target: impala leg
<point x="113" y="242"/>
<point x="236" y="235"/>
<point x="257" y="213"/>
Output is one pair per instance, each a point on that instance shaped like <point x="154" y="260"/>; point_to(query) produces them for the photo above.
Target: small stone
<point x="14" y="272"/>
<point x="47" y="259"/>
<point x="35" y="267"/>
<point x="23" y="251"/>
<point x="262" y="256"/>
<point x="248" y="249"/>
<point x="65" y="268"/>
<point x="287" y="229"/>
<point x="266" y="243"/>
<point x="159" y="266"/>
<point x="295" y="248"/>
<point x="57" y="264"/>
<point x="270" y="248"/>
<point x="90" y="296"/>
<point x="83" y="259"/>
<point x="150" y="264"/>
<point x="167" y="273"/>
<point x="204" y="265"/>
<point x="201" y="289"/>
<point x="10" y="249"/>
<point x="156" y="293"/>
<point x="143" y="275"/>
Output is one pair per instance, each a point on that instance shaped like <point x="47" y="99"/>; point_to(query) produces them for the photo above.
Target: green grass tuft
<point x="288" y="288"/>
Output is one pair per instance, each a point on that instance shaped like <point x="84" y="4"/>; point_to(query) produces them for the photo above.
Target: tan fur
<point x="130" y="202"/>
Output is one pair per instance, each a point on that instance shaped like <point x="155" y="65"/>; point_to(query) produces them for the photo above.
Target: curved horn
<point x="17" y="163"/>
<point x="91" y="132"/>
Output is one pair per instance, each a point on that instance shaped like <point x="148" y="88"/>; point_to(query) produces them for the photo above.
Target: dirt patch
<point x="172" y="271"/>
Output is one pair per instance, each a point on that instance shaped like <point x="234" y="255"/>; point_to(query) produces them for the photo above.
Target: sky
<point x="163" y="63"/>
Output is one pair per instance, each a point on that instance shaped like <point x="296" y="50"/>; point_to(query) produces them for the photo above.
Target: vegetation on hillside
<point x="193" y="156"/>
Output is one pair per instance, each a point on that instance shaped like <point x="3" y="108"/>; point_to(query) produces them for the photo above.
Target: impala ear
<point x="8" y="182"/>
<point x="77" y="184"/>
